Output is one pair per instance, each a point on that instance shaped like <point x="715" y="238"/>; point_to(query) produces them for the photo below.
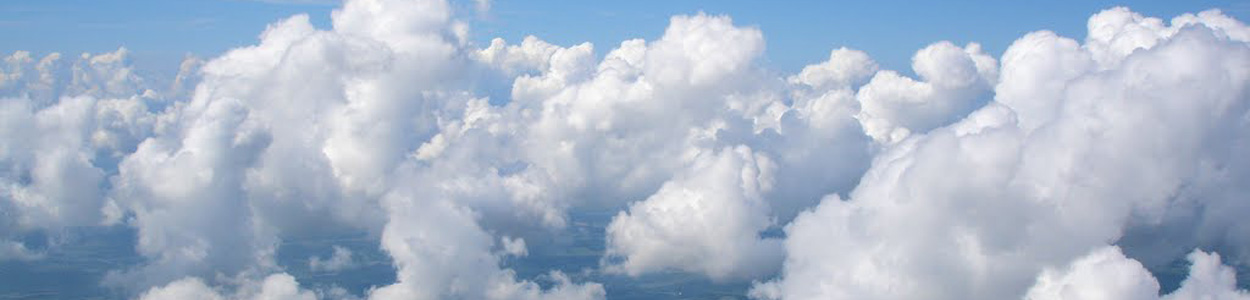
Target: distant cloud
<point x="340" y="260"/>
<point x="481" y="6"/>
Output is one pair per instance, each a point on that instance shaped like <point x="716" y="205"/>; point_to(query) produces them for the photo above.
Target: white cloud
<point x="1036" y="71"/>
<point x="1208" y="279"/>
<point x="977" y="209"/>
<point x="280" y="286"/>
<point x="701" y="50"/>
<point x="706" y="220"/>
<point x="845" y="68"/>
<point x="340" y="260"/>
<point x="1103" y="274"/>
<point x="1107" y="274"/>
<point x="514" y="247"/>
<point x="440" y="251"/>
<point x="55" y="159"/>
<point x="53" y="181"/>
<point x="973" y="181"/>
<point x="188" y="288"/>
<point x="955" y="82"/>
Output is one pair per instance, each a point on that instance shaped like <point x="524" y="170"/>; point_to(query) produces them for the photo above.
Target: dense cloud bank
<point x="1063" y="170"/>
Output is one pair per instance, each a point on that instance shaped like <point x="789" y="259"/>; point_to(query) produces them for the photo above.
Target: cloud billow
<point x="1063" y="169"/>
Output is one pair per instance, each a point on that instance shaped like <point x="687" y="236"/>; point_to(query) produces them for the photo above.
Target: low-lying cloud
<point x="1064" y="169"/>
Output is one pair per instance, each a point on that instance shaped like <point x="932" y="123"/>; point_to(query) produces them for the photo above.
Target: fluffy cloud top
<point x="707" y="219"/>
<point x="1114" y="149"/>
<point x="955" y="82"/>
<point x="1107" y="274"/>
<point x="1063" y="170"/>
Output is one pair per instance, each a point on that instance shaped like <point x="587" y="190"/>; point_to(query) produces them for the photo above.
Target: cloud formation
<point x="706" y="220"/>
<point x="1096" y="144"/>
<point x="1061" y="170"/>
<point x="341" y="259"/>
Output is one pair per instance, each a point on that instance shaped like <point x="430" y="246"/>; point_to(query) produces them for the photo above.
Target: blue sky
<point x="801" y="32"/>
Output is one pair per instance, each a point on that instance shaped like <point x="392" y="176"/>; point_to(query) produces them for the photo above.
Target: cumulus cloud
<point x="1107" y="274"/>
<point x="955" y="82"/>
<point x="845" y="68"/>
<point x="190" y="288"/>
<point x="59" y="150"/>
<point x="440" y="251"/>
<point x="1066" y="169"/>
<point x="514" y="247"/>
<point x="1113" y="150"/>
<point x="707" y="219"/>
<point x="1208" y="279"/>
<point x="702" y="50"/>
<point x="1103" y="274"/>
<point x="256" y="151"/>
<point x="279" y="286"/>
